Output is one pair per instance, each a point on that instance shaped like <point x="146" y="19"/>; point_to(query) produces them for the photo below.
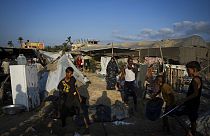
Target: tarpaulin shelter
<point x="57" y="71"/>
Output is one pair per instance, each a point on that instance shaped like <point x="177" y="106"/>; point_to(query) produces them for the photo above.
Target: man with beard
<point x="130" y="82"/>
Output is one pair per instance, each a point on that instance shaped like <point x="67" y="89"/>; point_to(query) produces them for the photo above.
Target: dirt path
<point x="97" y="87"/>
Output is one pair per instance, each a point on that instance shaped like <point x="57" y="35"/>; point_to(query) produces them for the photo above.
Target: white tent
<point x="53" y="56"/>
<point x="58" y="73"/>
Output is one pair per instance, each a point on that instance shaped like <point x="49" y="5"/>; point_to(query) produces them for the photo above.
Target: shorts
<point x="192" y="113"/>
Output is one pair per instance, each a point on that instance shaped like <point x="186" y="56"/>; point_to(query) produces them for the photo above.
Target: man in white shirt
<point x="130" y="86"/>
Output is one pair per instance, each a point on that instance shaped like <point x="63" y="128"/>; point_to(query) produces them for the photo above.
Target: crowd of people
<point x="126" y="83"/>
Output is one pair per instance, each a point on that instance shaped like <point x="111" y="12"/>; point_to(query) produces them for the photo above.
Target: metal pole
<point x="169" y="111"/>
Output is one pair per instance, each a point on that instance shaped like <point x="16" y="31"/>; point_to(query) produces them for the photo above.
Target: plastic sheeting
<point x="56" y="75"/>
<point x="52" y="56"/>
<point x="104" y="63"/>
<point x="24" y="81"/>
<point x="142" y="70"/>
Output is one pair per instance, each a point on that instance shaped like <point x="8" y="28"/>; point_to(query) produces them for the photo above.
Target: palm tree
<point x="10" y="44"/>
<point x="64" y="48"/>
<point x="20" y="39"/>
<point x="68" y="41"/>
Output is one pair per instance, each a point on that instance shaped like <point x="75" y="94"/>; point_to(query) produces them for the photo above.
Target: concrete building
<point x="33" y="45"/>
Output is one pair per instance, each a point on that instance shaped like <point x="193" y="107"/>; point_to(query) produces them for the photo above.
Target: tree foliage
<point x="10" y="44"/>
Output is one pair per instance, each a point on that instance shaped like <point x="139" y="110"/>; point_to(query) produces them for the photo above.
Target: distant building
<point x="93" y="42"/>
<point x="33" y="45"/>
<point x="173" y="51"/>
<point x="84" y="43"/>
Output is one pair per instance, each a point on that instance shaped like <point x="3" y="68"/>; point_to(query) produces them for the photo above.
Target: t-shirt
<point x="67" y="86"/>
<point x="68" y="92"/>
<point x="168" y="94"/>
<point x="129" y="75"/>
<point x="193" y="104"/>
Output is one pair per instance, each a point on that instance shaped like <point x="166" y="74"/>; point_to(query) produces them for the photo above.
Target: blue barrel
<point x="154" y="108"/>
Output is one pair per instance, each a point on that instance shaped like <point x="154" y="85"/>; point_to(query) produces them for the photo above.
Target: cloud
<point x="180" y="26"/>
<point x="178" y="30"/>
<point x="166" y="31"/>
<point x="127" y="38"/>
<point x="189" y="28"/>
<point x="119" y="35"/>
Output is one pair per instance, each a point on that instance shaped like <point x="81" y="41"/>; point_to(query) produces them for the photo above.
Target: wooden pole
<point x="112" y="50"/>
<point x="208" y="60"/>
<point x="170" y="75"/>
<point x="161" y="53"/>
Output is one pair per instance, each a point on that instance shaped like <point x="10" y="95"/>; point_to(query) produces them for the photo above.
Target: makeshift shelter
<point x="54" y="55"/>
<point x="13" y="53"/>
<point x="55" y="75"/>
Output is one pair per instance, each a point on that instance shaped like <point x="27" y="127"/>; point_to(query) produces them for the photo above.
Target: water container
<point x="21" y="60"/>
<point x="153" y="108"/>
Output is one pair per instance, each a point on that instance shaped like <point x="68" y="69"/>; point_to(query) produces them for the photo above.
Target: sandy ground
<point x="31" y="124"/>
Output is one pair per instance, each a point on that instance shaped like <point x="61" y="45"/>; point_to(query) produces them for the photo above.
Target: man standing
<point x="130" y="84"/>
<point x="5" y="66"/>
<point x="70" y="103"/>
<point x="192" y="101"/>
<point x="79" y="62"/>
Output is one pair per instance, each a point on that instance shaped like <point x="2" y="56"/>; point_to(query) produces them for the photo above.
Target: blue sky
<point x="52" y="21"/>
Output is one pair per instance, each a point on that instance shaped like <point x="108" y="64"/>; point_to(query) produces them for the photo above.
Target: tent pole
<point x="161" y="53"/>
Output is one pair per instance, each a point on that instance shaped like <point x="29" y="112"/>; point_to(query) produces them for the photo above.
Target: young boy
<point x="168" y="97"/>
<point x="70" y="104"/>
<point x="192" y="101"/>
